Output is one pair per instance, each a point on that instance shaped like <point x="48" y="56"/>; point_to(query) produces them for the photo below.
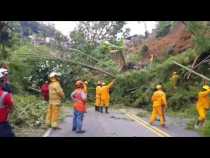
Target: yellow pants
<point x="105" y="102"/>
<point x="157" y="111"/>
<point x="98" y="101"/>
<point x="53" y="115"/>
<point x="202" y="112"/>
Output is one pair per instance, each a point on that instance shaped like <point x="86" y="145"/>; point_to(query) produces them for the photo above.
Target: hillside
<point x="176" y="41"/>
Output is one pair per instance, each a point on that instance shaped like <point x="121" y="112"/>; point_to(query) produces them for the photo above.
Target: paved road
<point x="116" y="124"/>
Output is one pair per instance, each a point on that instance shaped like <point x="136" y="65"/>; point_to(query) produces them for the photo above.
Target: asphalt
<point x="117" y="124"/>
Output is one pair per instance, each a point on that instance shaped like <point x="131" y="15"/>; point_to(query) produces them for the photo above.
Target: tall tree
<point x="91" y="33"/>
<point x="5" y="38"/>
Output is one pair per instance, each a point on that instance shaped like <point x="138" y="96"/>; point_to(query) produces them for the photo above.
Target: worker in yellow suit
<point x="105" y="96"/>
<point x="174" y="78"/>
<point x="56" y="95"/>
<point x="202" y="105"/>
<point x="86" y="87"/>
<point x="159" y="106"/>
<point x="98" y="95"/>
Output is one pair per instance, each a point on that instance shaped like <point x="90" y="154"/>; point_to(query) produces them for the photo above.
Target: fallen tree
<point x="192" y="71"/>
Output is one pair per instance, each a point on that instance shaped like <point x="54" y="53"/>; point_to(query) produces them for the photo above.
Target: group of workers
<point x="53" y="93"/>
<point x="160" y="103"/>
<point x="103" y="96"/>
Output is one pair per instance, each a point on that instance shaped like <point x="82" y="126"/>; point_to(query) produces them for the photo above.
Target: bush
<point x="28" y="111"/>
<point x="164" y="28"/>
<point x="143" y="82"/>
<point x="205" y="131"/>
<point x="144" y="49"/>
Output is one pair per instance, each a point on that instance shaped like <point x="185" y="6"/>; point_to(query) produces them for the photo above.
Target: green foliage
<point x="205" y="131"/>
<point x="134" y="57"/>
<point x="200" y="31"/>
<point x="8" y="39"/>
<point x="144" y="49"/>
<point x="28" y="111"/>
<point x="143" y="82"/>
<point x="164" y="28"/>
<point x="89" y="34"/>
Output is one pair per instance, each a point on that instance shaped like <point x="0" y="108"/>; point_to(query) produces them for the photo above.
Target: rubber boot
<point x="107" y="110"/>
<point x="96" y="108"/>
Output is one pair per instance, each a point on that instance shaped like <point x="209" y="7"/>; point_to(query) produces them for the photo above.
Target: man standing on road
<point x="6" y="104"/>
<point x="56" y="95"/>
<point x="105" y="96"/>
<point x="79" y="97"/>
<point x="159" y="106"/>
<point x="98" y="96"/>
<point x="202" y="105"/>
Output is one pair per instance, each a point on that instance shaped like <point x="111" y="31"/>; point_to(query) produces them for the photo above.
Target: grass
<point x="205" y="131"/>
<point x="29" y="132"/>
<point x="186" y="113"/>
<point x="142" y="114"/>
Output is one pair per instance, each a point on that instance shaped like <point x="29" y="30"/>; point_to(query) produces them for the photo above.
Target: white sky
<point x="136" y="28"/>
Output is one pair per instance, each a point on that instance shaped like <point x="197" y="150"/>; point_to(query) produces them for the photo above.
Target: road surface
<point x="118" y="124"/>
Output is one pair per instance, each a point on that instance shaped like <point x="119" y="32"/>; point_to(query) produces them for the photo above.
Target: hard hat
<point x="99" y="82"/>
<point x="103" y="83"/>
<point x="206" y="87"/>
<point x="174" y="72"/>
<point x="53" y="74"/>
<point x="158" y="86"/>
<point x="79" y="84"/>
<point x="1" y="75"/>
<point x="3" y="72"/>
<point x="86" y="82"/>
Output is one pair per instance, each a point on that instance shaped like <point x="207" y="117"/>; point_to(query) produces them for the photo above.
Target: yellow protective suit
<point x="105" y="97"/>
<point x="56" y="94"/>
<point x="174" y="80"/>
<point x="98" y="96"/>
<point x="159" y="105"/>
<point x="203" y="104"/>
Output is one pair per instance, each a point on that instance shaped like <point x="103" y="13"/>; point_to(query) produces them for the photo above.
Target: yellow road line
<point x="146" y="125"/>
<point x="155" y="128"/>
<point x="142" y="124"/>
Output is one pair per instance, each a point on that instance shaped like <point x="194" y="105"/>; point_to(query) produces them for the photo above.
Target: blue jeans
<point x="6" y="130"/>
<point x="77" y="120"/>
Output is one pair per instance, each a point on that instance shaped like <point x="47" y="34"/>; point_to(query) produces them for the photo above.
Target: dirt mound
<point x="177" y="40"/>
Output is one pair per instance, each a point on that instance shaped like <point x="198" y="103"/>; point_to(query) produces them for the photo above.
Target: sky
<point x="136" y="28"/>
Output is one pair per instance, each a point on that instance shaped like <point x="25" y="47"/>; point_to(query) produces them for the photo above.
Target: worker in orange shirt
<point x="79" y="98"/>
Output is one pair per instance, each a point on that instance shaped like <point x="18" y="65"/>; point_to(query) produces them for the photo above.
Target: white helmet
<point x="1" y="75"/>
<point x="53" y="74"/>
<point x="3" y="72"/>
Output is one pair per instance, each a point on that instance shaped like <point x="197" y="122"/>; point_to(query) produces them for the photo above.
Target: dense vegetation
<point x="30" y="65"/>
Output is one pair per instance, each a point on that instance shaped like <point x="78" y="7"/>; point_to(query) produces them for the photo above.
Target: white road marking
<point x="48" y="132"/>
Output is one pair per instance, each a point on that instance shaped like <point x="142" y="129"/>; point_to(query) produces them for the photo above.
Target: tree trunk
<point x="192" y="71"/>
